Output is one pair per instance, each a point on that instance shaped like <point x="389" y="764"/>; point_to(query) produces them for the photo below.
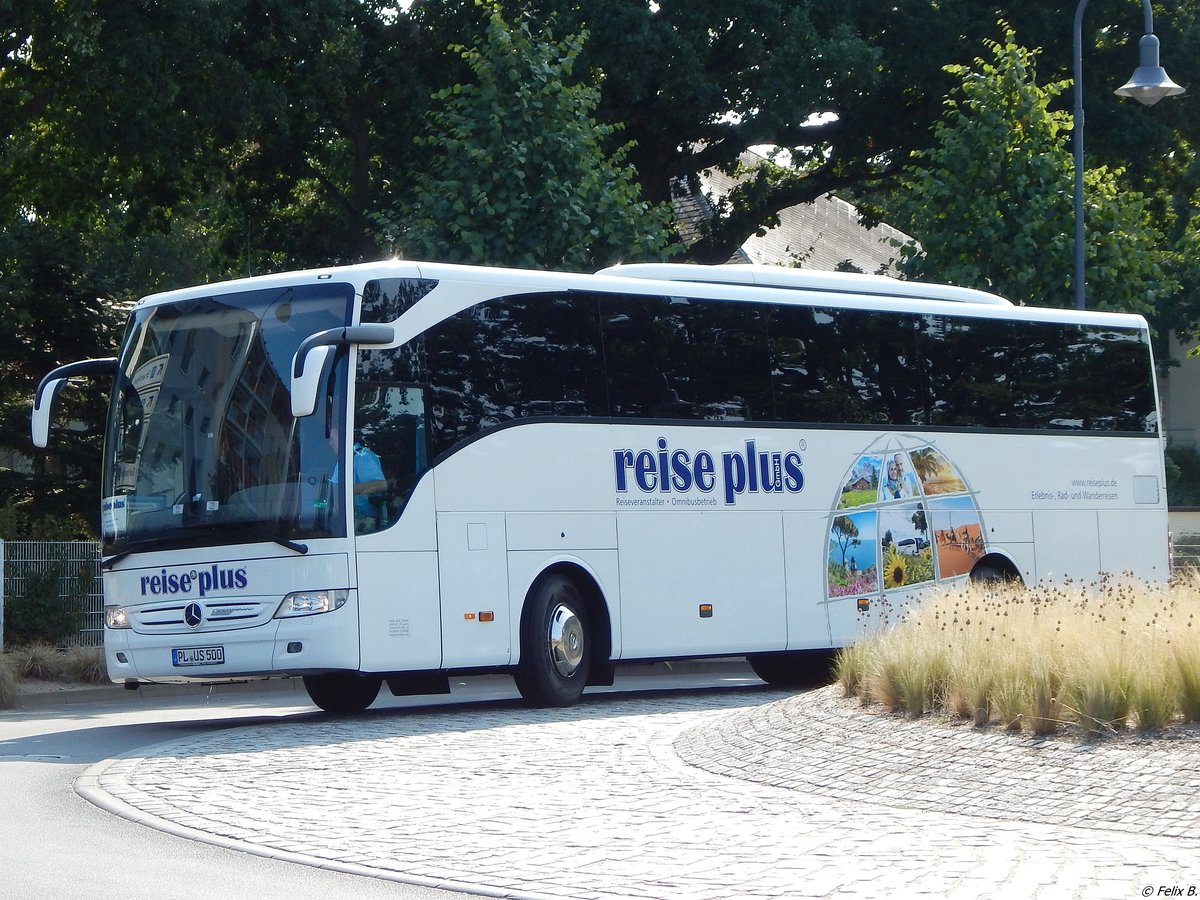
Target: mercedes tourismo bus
<point x="395" y="471"/>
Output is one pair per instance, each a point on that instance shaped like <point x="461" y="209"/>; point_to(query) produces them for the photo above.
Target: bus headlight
<point x="116" y="617"/>
<point x="311" y="603"/>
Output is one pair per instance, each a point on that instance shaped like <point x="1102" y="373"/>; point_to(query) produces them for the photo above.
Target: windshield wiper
<point x="141" y="547"/>
<point x="185" y="539"/>
<point x="247" y="528"/>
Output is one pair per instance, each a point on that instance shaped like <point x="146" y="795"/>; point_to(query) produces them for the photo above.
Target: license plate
<point x="198" y="656"/>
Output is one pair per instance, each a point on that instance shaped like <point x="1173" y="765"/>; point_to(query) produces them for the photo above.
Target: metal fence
<point x="79" y="582"/>
<point x="1185" y="550"/>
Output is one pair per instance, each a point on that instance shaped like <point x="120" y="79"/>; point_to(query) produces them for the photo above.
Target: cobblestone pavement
<point x="715" y="795"/>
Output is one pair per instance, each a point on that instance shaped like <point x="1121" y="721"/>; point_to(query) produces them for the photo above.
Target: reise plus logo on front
<point x="203" y="581"/>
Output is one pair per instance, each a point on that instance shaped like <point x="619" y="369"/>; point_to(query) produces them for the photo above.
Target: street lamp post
<point x="1148" y="85"/>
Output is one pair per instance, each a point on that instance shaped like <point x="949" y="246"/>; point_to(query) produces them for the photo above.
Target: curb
<point x="114" y="693"/>
<point x="111" y="693"/>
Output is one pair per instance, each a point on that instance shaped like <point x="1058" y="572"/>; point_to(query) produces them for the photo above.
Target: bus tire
<point x="555" y="644"/>
<point x="794" y="668"/>
<point x="342" y="692"/>
<point x="994" y="574"/>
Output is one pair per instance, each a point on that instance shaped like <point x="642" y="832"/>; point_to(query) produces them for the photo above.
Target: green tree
<point x="517" y="173"/>
<point x="145" y="146"/>
<point x="990" y="204"/>
<point x="51" y="310"/>
<point x="698" y="82"/>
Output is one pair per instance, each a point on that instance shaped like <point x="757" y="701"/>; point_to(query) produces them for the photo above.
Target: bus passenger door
<point x="473" y="567"/>
<point x="399" y="609"/>
<point x="399" y="612"/>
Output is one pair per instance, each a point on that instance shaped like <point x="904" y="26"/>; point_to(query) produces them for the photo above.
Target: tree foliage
<point x="52" y="308"/>
<point x="991" y="203"/>
<point x="147" y="145"/>
<point x="698" y="82"/>
<point x="518" y="175"/>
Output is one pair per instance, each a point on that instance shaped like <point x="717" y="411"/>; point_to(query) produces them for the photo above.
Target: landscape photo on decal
<point x="853" y="562"/>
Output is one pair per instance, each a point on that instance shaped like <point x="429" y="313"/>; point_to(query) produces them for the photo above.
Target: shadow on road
<point x="476" y="704"/>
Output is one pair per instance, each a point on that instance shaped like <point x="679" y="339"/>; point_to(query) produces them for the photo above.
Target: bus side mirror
<point x="307" y="385"/>
<point x="47" y="393"/>
<point x="312" y="357"/>
<point x="43" y="409"/>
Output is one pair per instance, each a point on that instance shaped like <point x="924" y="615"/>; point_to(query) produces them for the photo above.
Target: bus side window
<point x="390" y="436"/>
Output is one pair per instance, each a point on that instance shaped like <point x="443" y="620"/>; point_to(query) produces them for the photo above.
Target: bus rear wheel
<point x="993" y="573"/>
<point x="555" y="647"/>
<point x="342" y="692"/>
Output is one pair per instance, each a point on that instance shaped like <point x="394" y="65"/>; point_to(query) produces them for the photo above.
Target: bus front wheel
<point x="342" y="692"/>
<point x="555" y="647"/>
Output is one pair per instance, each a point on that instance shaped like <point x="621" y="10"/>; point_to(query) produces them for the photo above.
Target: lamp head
<point x="1150" y="82"/>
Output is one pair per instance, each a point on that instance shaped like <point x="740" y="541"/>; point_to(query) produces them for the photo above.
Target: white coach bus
<point x="552" y="473"/>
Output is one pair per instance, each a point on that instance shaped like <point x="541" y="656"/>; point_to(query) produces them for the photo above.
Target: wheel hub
<point x="565" y="640"/>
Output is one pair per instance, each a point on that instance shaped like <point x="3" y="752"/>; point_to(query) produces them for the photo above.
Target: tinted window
<point x="967" y="370"/>
<point x="1081" y="377"/>
<point x="390" y="440"/>
<point x="845" y="366"/>
<point x="515" y="357"/>
<point x="1036" y="375"/>
<point x="651" y="357"/>
<point x="671" y="357"/>
<point x="385" y="299"/>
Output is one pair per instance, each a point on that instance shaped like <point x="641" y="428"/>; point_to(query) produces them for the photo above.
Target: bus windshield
<point x="201" y="446"/>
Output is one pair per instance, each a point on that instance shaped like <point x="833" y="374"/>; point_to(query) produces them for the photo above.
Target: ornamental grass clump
<point x="911" y="676"/>
<point x="85" y="665"/>
<point x="1096" y="658"/>
<point x="8" y="683"/>
<point x="1187" y="670"/>
<point x="43" y="662"/>
<point x="1045" y="687"/>
<point x="851" y="667"/>
<point x="1097" y="695"/>
<point x="38" y="660"/>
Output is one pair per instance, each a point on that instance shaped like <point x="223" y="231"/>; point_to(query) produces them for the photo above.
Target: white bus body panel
<point x="547" y="492"/>
<point x="400" y="625"/>
<point x="473" y="567"/>
<point x="666" y="580"/>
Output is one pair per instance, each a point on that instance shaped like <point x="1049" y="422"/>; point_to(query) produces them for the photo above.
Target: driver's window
<point x="389" y="452"/>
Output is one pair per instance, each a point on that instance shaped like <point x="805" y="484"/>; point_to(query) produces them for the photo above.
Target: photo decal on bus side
<point x="726" y="476"/>
<point x="903" y="517"/>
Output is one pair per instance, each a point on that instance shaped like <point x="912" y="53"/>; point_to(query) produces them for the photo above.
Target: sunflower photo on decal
<point x="895" y="570"/>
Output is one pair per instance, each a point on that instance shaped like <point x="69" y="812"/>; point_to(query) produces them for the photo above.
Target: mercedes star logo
<point x="192" y="614"/>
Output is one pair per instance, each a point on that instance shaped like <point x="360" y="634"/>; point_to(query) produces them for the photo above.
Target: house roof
<point x="824" y="234"/>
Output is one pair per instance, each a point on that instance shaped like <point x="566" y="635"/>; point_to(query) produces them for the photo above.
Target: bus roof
<point x="804" y="279"/>
<point x="806" y="287"/>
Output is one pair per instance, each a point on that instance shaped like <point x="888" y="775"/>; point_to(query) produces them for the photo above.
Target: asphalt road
<point x="55" y="844"/>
